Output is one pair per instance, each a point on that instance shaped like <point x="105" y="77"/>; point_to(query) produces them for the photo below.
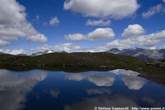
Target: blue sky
<point x="137" y="18"/>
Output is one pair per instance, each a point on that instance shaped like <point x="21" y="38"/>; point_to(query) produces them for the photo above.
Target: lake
<point x="53" y="90"/>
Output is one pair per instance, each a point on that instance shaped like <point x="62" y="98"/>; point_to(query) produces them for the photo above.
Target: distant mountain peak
<point x="143" y="54"/>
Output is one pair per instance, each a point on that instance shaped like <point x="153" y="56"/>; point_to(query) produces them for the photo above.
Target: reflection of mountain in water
<point x="14" y="87"/>
<point x="129" y="78"/>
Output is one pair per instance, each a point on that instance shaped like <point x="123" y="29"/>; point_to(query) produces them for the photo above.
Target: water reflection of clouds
<point x="102" y="80"/>
<point x="125" y="72"/>
<point x="133" y="83"/>
<point x="76" y="76"/>
<point x="97" y="78"/>
<point x="15" y="86"/>
<point x="96" y="91"/>
<point x="129" y="78"/>
<point x="102" y="101"/>
<point x="104" y="96"/>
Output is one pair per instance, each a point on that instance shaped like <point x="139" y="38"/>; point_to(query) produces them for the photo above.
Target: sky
<point x="81" y="25"/>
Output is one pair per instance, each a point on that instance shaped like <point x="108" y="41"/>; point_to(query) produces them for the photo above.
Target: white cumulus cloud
<point x="100" y="22"/>
<point x="75" y="37"/>
<point x="103" y="33"/>
<point x="54" y="21"/>
<point x="67" y="47"/>
<point x="103" y="8"/>
<point x="99" y="33"/>
<point x="13" y="51"/>
<point x="2" y="42"/>
<point x="133" y="31"/>
<point x="13" y="23"/>
<point x="154" y="10"/>
<point x="146" y="41"/>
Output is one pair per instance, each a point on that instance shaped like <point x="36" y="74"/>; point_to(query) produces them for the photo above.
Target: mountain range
<point x="142" y="54"/>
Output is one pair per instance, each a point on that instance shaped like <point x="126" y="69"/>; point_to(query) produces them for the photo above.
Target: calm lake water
<point x="46" y="90"/>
